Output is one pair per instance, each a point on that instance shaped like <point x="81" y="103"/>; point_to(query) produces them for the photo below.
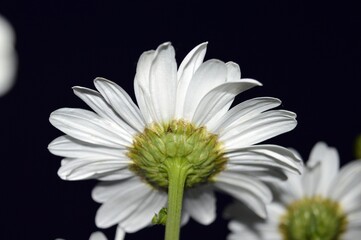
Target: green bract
<point x="313" y="218"/>
<point x="199" y="152"/>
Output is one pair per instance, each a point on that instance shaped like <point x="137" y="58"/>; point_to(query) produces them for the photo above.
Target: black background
<point x="307" y="54"/>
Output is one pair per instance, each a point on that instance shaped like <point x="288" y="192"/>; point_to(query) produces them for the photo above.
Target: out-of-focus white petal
<point x="89" y="127"/>
<point x="8" y="58"/>
<point x="121" y="102"/>
<point x="97" y="236"/>
<point x="329" y="166"/>
<point x="346" y="188"/>
<point x="185" y="73"/>
<point x="200" y="203"/>
<point x="119" y="234"/>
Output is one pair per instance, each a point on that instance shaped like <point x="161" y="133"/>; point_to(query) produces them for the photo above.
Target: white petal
<point x="219" y="99"/>
<point x="97" y="236"/>
<point x="91" y="167"/>
<point x="103" y="191"/>
<point x="291" y="189"/>
<point x="121" y="102"/>
<point x="346" y="188"/>
<point x="354" y="219"/>
<point x="119" y="207"/>
<point x="264" y="173"/>
<point x="250" y="191"/>
<point x="329" y="160"/>
<point x="243" y="112"/>
<point x="258" y="129"/>
<point x="266" y="155"/>
<point x="352" y="234"/>
<point x="88" y="127"/>
<point x="119" y="234"/>
<point x="120" y="174"/>
<point x="96" y="101"/>
<point x="185" y="73"/>
<point x="310" y="179"/>
<point x="240" y="231"/>
<point x="141" y="85"/>
<point x="67" y="146"/>
<point x="209" y="75"/>
<point x="200" y="203"/>
<point x="163" y="82"/>
<point x="146" y="210"/>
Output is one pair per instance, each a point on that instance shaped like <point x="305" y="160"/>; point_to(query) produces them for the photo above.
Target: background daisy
<point x="323" y="203"/>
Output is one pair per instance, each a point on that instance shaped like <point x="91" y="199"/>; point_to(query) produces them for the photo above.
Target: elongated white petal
<point x="116" y="175"/>
<point x="250" y="191"/>
<point x="240" y="231"/>
<point x="244" y="112"/>
<point x="163" y="82"/>
<point x="91" y="167"/>
<point x="185" y="73"/>
<point x="141" y="85"/>
<point x="266" y="155"/>
<point x="249" y="199"/>
<point x="104" y="191"/>
<point x="247" y="183"/>
<point x="121" y="102"/>
<point x="258" y="129"/>
<point x="200" y="203"/>
<point x="122" y="205"/>
<point x="88" y="127"/>
<point x="209" y="75"/>
<point x="119" y="234"/>
<point x="219" y="98"/>
<point x="67" y="146"/>
<point x="329" y="166"/>
<point x="264" y="173"/>
<point x="143" y="215"/>
<point x="96" y="101"/>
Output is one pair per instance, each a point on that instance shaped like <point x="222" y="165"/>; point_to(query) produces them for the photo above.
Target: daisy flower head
<point x="182" y="135"/>
<point x="324" y="203"/>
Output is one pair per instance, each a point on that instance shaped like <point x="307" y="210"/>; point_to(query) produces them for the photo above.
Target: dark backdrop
<point x="307" y="54"/>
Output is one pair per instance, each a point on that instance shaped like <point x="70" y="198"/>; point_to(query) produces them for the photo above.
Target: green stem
<point x="177" y="176"/>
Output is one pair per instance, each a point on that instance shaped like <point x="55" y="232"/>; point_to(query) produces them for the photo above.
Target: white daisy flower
<point x="183" y="126"/>
<point x="324" y="203"/>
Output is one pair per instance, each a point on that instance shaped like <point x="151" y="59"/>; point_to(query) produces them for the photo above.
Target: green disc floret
<point x="198" y="150"/>
<point x="314" y="218"/>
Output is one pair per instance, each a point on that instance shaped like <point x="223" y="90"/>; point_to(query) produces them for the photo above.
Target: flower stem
<point x="177" y="176"/>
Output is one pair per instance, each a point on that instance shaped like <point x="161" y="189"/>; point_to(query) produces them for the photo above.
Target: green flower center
<point x="313" y="218"/>
<point x="197" y="149"/>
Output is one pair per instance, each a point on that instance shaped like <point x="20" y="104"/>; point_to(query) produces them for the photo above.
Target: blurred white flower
<point x="324" y="203"/>
<point x="8" y="59"/>
<point x="184" y="116"/>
